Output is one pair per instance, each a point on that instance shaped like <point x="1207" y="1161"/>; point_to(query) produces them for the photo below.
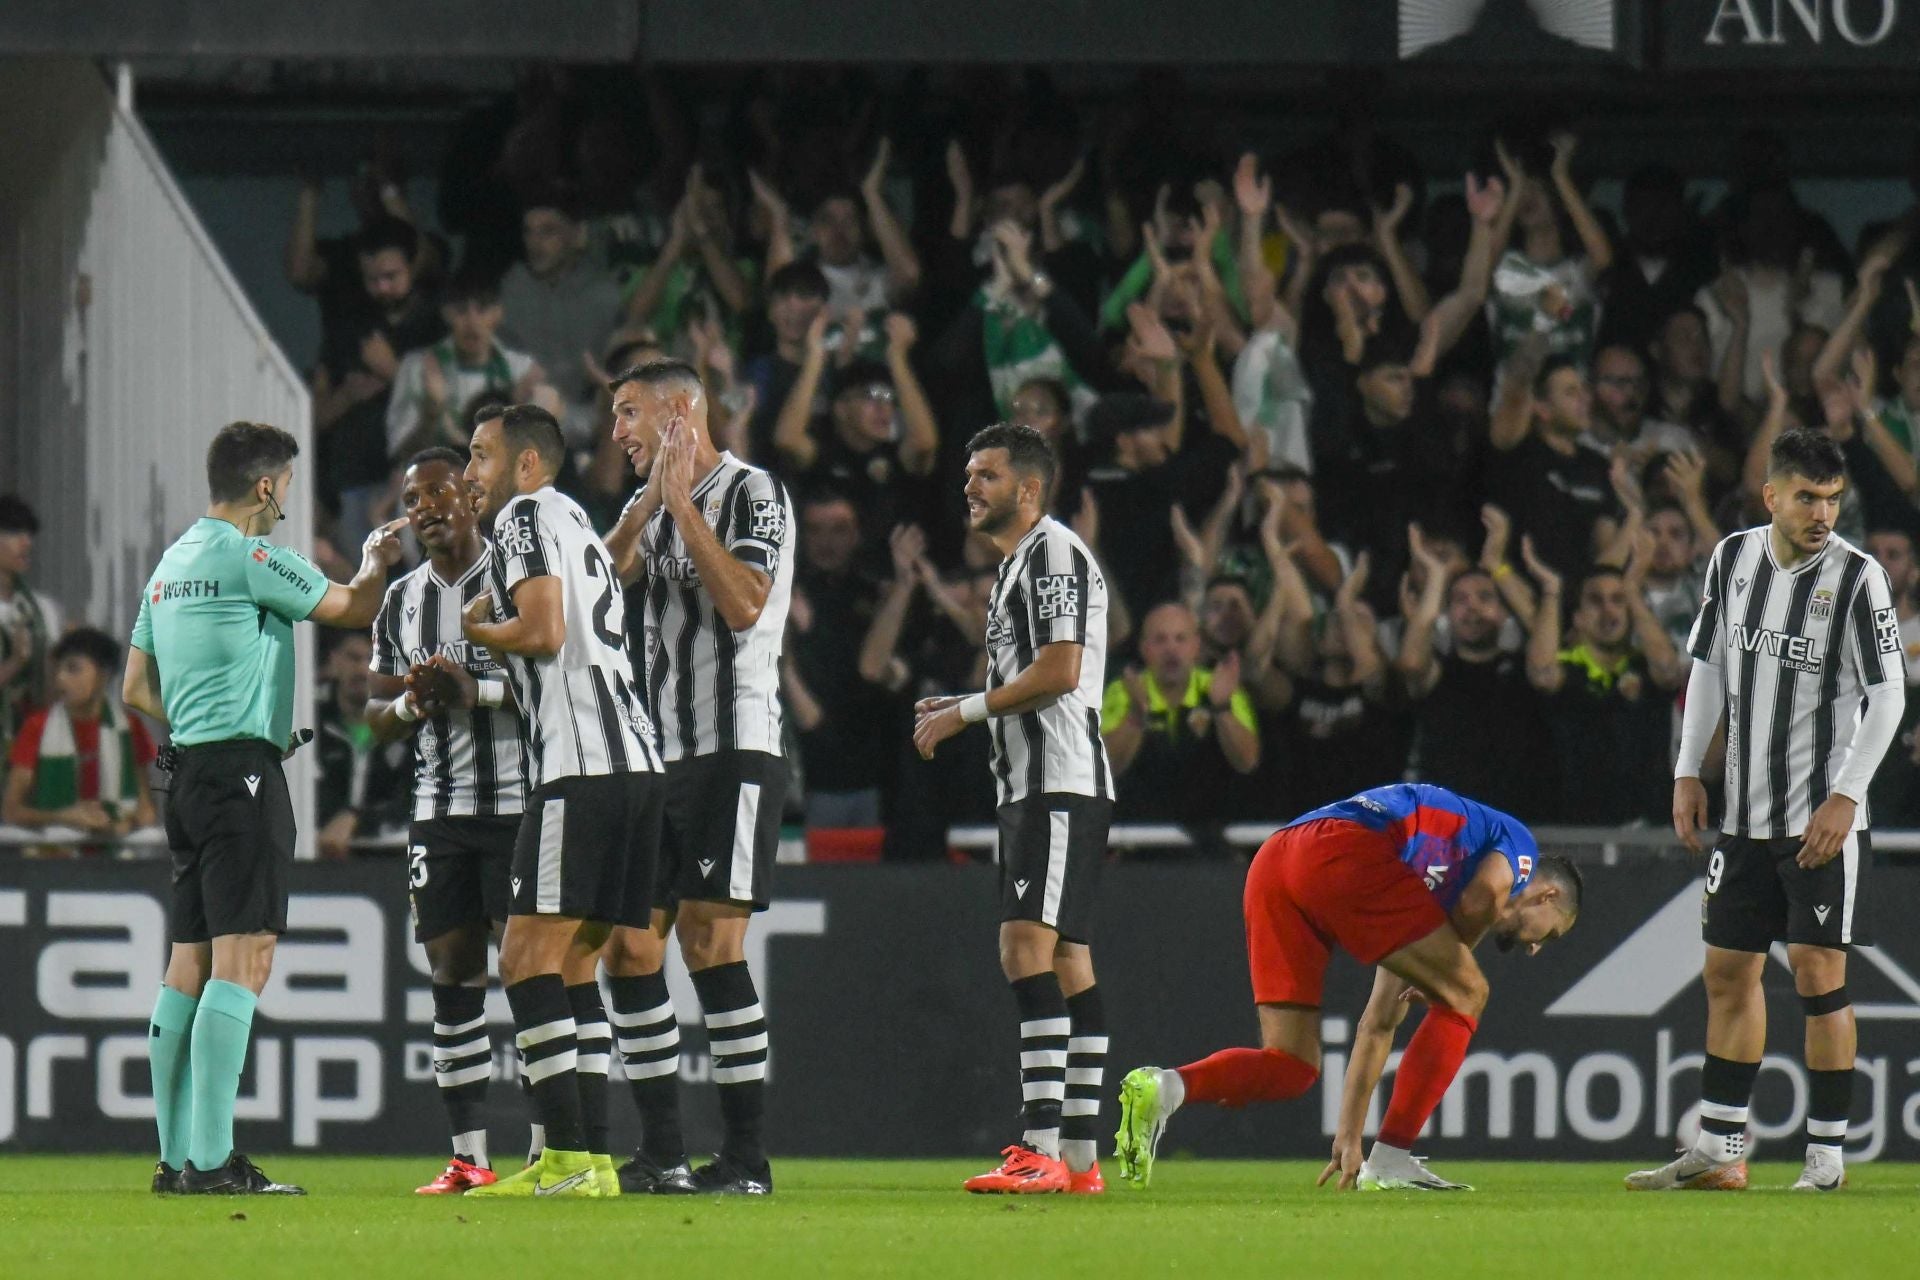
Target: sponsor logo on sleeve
<point x="1886" y="630"/>
<point x="1058" y="596"/>
<point x="767" y="521"/>
<point x="520" y="536"/>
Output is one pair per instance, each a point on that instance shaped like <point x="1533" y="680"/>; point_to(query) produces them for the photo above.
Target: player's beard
<point x="994" y="519"/>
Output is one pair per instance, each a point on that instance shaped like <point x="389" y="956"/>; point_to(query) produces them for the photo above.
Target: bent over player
<point x="212" y="658"/>
<point x="469" y="787"/>
<point x="1047" y="650"/>
<point x="1409" y="877"/>
<point x="1797" y="643"/>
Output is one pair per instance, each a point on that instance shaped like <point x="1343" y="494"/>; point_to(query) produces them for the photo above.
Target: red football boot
<point x="457" y="1179"/>
<point x="1089" y="1183"/>
<point x="1024" y="1171"/>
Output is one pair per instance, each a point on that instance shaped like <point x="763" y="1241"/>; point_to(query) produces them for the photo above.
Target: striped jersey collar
<point x="478" y="565"/>
<point x="724" y="461"/>
<point x="1038" y="530"/>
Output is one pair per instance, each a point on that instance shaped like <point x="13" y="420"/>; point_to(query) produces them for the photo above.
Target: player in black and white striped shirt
<point x="1798" y="643"/>
<point x="584" y="858"/>
<point x="710" y="539"/>
<point x="469" y="787"/>
<point x="1047" y="646"/>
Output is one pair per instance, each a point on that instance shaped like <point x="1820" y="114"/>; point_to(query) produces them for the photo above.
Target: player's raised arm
<point x="739" y="575"/>
<point x="357" y="603"/>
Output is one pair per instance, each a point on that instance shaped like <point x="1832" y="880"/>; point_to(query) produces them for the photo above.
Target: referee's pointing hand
<point x="383" y="544"/>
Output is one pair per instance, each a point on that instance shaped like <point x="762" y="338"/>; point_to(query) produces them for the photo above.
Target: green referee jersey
<point x="217" y="618"/>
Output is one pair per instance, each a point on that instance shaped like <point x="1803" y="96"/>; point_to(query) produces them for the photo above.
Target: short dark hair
<point x="1551" y="365"/>
<point x="1471" y="571"/>
<point x="17" y="515"/>
<point x="656" y="373"/>
<point x="798" y="279"/>
<point x="1028" y="452"/>
<point x="1802" y="451"/>
<point x="1693" y="309"/>
<point x="241" y="453"/>
<point x="1893" y="531"/>
<point x="471" y="285"/>
<point x="861" y="374"/>
<point x="438" y="453"/>
<point x="387" y="233"/>
<point x="557" y="196"/>
<point x="96" y="646"/>
<point x="1229" y="580"/>
<point x="1560" y="870"/>
<point x="528" y="426"/>
<point x="1594" y="575"/>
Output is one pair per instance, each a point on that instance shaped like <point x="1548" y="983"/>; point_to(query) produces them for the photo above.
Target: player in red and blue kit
<point x="1408" y="877"/>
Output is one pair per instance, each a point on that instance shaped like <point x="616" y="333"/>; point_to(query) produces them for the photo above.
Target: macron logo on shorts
<point x="706" y="866"/>
<point x="516" y="886"/>
<point x="253" y="784"/>
<point x="1020" y="888"/>
<point x="1820" y="914"/>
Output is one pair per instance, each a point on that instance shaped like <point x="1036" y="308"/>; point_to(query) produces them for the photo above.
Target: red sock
<point x="1428" y="1066"/>
<point x="1235" y="1077"/>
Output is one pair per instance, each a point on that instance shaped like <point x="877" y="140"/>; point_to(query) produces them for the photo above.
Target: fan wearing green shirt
<point x="212" y="659"/>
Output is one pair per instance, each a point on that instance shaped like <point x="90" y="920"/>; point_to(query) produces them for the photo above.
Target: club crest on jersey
<point x="1820" y="608"/>
<point x="1886" y="630"/>
<point x="767" y="521"/>
<point x="1525" y="863"/>
<point x="519" y="536"/>
<point x="1059" y="596"/>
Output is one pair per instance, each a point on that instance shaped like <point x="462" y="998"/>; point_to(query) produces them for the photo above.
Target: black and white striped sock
<point x="594" y="1058"/>
<point x="1829" y="1102"/>
<point x="737" y="1039"/>
<point x="1044" y="1032"/>
<point x="1726" y="1093"/>
<point x="648" y="1037"/>
<point x="544" y="1030"/>
<point x="1086" y="1071"/>
<point x="462" y="1065"/>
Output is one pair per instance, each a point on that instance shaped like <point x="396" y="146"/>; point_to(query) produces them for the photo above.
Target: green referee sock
<point x="168" y="1042"/>
<point x="220" y="1031"/>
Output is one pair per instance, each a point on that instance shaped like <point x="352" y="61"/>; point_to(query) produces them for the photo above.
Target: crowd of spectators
<point x="1393" y="473"/>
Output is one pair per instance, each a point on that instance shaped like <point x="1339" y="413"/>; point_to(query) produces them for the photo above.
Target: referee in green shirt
<point x="212" y="658"/>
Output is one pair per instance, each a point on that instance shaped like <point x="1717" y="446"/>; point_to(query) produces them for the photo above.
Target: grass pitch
<point x="69" y="1216"/>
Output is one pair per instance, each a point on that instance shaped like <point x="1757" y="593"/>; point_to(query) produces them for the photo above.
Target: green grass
<point x="64" y="1216"/>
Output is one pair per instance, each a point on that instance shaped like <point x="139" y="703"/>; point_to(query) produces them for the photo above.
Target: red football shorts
<point x="1322" y="884"/>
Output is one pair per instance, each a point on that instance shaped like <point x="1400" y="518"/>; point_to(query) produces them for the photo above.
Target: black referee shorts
<point x="1757" y="895"/>
<point x="722" y="828"/>
<point x="230" y="829"/>
<point x="588" y="848"/>
<point x="1050" y="850"/>
<point x="457" y="872"/>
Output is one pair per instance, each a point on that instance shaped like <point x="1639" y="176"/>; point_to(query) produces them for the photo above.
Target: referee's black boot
<point x="729" y="1176"/>
<point x="239" y="1176"/>
<point x="166" y="1179"/>
<point x="642" y="1177"/>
